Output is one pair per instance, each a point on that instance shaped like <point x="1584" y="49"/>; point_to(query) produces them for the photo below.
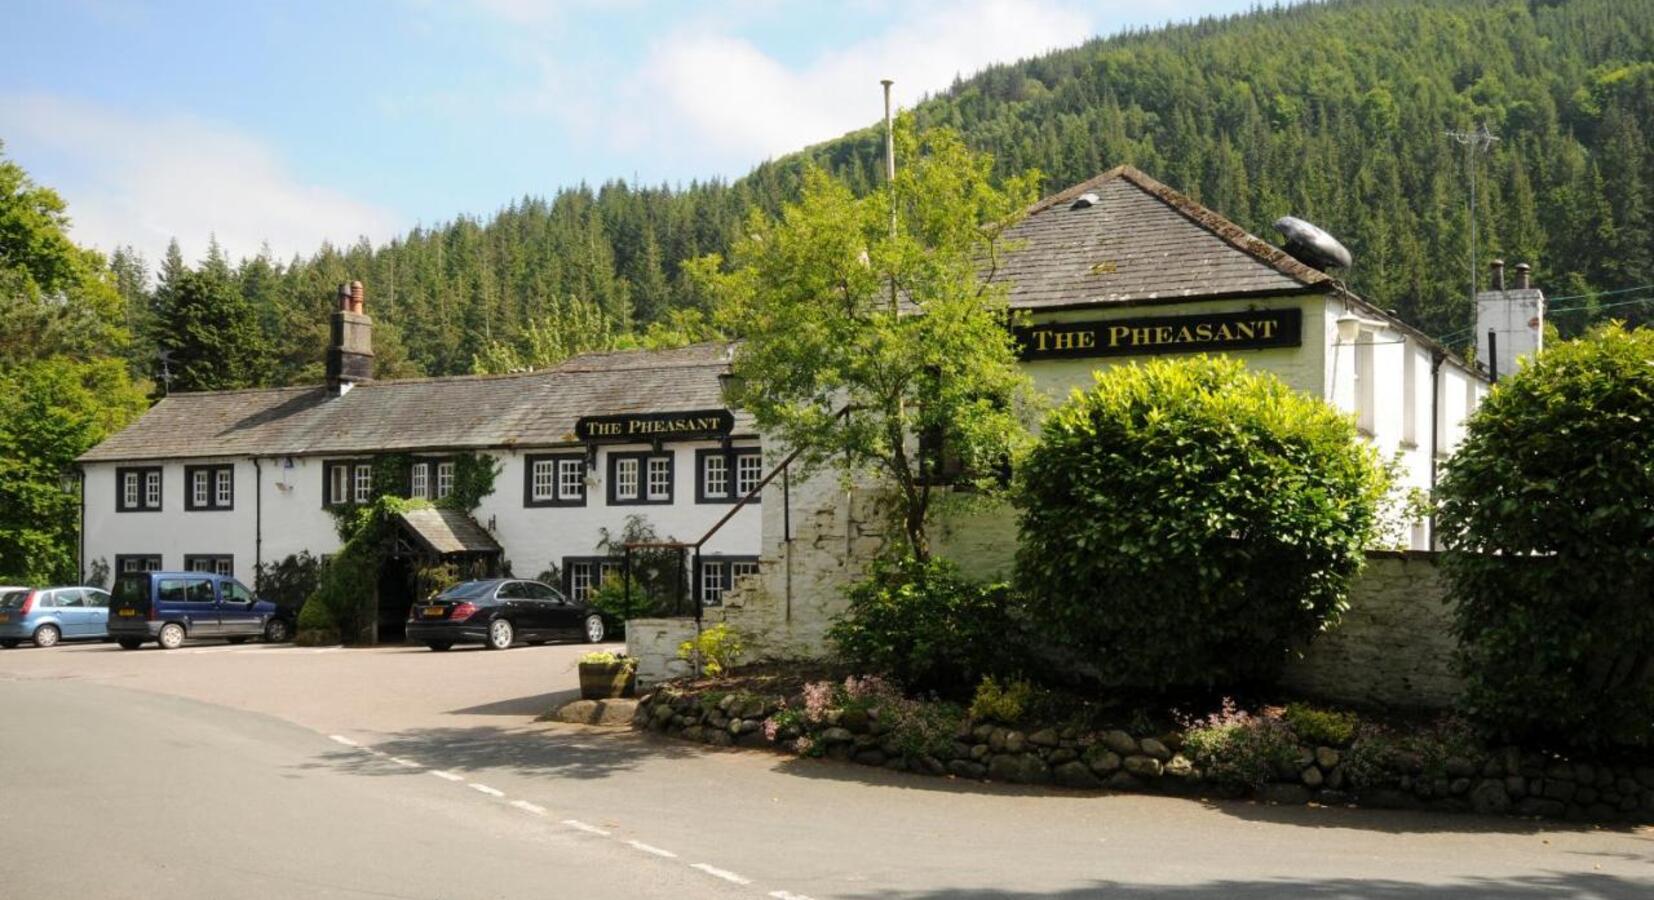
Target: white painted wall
<point x="294" y="519"/>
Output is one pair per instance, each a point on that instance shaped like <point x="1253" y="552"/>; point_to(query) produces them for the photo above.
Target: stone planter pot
<point x="606" y="681"/>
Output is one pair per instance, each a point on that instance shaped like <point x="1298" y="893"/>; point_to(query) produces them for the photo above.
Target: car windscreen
<point x="467" y="590"/>
<point x="12" y="599"/>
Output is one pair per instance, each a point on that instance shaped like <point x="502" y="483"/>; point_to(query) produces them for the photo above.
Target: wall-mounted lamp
<point x="1351" y="325"/>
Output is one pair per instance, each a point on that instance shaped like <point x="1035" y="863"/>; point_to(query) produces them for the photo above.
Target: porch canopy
<point x="447" y="534"/>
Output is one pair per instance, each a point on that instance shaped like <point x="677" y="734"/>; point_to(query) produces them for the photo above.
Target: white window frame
<point x="571" y="479"/>
<point x="543" y="480"/>
<point x="749" y="471"/>
<point x="338" y="484"/>
<point x="223" y="487"/>
<point x="361" y="482"/>
<point x="658" y="489"/>
<point x="152" y="490"/>
<point x="627" y="483"/>
<point x="444" y="479"/>
<point x="580" y="581"/>
<point x="715" y="476"/>
<point x="419" y="481"/>
<point x="199" y="488"/>
<point x="129" y="489"/>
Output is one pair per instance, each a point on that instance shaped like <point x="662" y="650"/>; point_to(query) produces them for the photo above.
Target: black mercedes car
<point x="497" y="612"/>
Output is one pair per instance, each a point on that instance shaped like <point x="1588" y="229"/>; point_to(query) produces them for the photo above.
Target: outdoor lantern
<point x="69" y="480"/>
<point x="1350" y="325"/>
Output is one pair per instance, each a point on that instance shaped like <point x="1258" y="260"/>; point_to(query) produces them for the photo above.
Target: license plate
<point x="434" y="612"/>
<point x="126" y="613"/>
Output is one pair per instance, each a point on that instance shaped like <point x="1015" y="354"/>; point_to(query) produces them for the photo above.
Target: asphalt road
<point x="288" y="772"/>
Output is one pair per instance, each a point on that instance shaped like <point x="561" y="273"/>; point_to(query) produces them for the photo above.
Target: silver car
<point x="46" y="616"/>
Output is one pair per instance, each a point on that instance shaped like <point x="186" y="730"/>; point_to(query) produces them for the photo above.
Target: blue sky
<point x="293" y="123"/>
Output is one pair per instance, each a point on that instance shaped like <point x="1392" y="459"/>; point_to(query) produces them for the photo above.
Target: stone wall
<point x="654" y="644"/>
<point x="1395" y="645"/>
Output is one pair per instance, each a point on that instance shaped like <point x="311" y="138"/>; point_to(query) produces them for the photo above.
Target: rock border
<point x="1508" y="782"/>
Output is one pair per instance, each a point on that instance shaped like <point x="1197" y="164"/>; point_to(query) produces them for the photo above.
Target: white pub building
<point x="1116" y="268"/>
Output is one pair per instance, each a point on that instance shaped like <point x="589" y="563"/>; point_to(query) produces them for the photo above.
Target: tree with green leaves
<point x="868" y="323"/>
<point x="63" y="387"/>
<point x="209" y="331"/>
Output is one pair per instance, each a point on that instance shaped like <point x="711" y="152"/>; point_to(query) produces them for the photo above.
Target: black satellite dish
<point x="1312" y="246"/>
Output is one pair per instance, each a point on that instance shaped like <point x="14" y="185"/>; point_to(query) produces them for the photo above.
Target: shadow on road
<point x="532" y="706"/>
<point x="1386" y="821"/>
<point x="559" y="752"/>
<point x="1580" y="885"/>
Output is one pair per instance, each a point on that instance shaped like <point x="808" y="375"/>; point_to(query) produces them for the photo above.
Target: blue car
<point x="46" y="616"/>
<point x="168" y="607"/>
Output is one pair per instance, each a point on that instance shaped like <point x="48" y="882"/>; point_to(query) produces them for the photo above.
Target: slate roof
<point x="465" y="412"/>
<point x="446" y="531"/>
<point x="1141" y="241"/>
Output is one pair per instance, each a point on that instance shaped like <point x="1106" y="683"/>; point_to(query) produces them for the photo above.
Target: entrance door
<point x="396" y="596"/>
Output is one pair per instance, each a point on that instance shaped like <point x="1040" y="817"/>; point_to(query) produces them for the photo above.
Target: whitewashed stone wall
<point x="1393" y="647"/>
<point x="654" y="644"/>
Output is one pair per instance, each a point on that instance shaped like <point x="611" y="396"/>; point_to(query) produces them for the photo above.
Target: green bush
<point x="719" y="647"/>
<point x="1236" y="749"/>
<point x="1321" y="726"/>
<point x="1006" y="703"/>
<point x="1187" y="522"/>
<point x="926" y="625"/>
<point x="315" y="624"/>
<point x="290" y="581"/>
<point x="1547" y="513"/>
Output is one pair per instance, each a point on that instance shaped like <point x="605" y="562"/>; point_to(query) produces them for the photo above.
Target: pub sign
<point x="1199" y="333"/>
<point x="648" y="427"/>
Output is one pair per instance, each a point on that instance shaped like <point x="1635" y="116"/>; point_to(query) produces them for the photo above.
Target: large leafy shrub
<point x="926" y="625"/>
<point x="1186" y="522"/>
<point x="1547" y="513"/>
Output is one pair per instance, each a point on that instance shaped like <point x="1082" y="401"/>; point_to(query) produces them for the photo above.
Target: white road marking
<point x="526" y="806"/>
<point x="647" y="848"/>
<point x="725" y="874"/>
<point x="341" y="739"/>
<point x="485" y="789"/>
<point x="582" y="826"/>
<point x="789" y="895"/>
<point x="447" y="776"/>
<point x="405" y="763"/>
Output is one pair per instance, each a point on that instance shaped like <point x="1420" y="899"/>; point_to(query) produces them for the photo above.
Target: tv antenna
<point x="1479" y="141"/>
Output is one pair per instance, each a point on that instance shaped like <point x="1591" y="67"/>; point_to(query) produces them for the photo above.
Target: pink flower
<point x="818" y="699"/>
<point x="803" y="745"/>
<point x="771" y="728"/>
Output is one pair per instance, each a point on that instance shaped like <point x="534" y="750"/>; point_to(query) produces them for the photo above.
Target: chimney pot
<point x="1498" y="274"/>
<point x="356" y="297"/>
<point x="1523" y="275"/>
<point x="344" y="298"/>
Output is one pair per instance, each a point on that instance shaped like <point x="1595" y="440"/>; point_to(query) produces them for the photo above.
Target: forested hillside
<point x="1334" y="112"/>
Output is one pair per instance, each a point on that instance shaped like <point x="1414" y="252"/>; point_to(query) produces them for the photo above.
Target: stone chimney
<point x="1513" y="316"/>
<point x="350" y="351"/>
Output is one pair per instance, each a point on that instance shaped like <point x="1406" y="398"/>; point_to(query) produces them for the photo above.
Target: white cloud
<point x="730" y="97"/>
<point x="142" y="181"/>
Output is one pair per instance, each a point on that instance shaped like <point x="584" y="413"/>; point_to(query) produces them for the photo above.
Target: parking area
<point x="366" y="690"/>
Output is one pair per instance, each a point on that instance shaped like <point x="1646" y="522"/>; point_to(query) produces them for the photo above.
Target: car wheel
<point x="500" y="634"/>
<point x="277" y="631"/>
<point x="172" y="636"/>
<point x="594" y="628"/>
<point x="439" y="645"/>
<point x="9" y="643"/>
<point x="130" y="643"/>
<point x="47" y="636"/>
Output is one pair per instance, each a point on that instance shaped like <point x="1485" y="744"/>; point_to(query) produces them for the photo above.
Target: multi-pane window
<point x="362" y="482"/>
<point x="217" y="563"/>
<point x="543" y="479"/>
<point x="728" y="475"/>
<point x="419" y="481"/>
<point x="715" y="476"/>
<point x="137" y="562"/>
<point x="625" y="479"/>
<point x="571" y="479"/>
<point x="660" y="479"/>
<point x="555" y="480"/>
<point x="444" y="479"/>
<point x="719" y="574"/>
<point x="209" y="487"/>
<point x="338" y="483"/>
<point x="749" y="470"/>
<point x="582" y="576"/>
<point x="138" y="489"/>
